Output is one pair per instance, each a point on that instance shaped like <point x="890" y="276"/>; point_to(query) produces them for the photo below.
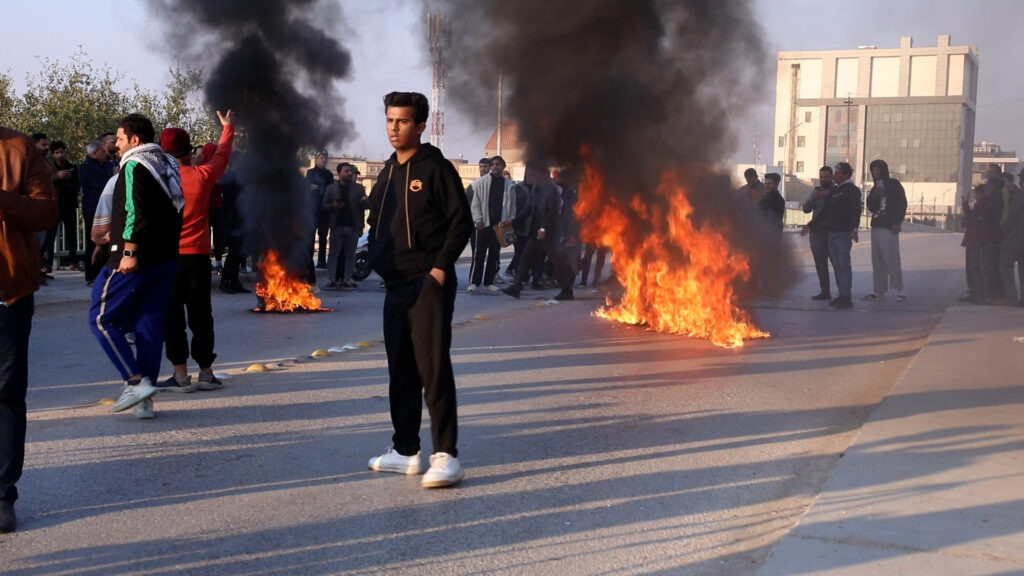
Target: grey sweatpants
<point x="885" y="261"/>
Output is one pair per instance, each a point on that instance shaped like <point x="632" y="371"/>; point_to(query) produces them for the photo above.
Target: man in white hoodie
<point x="492" y="203"/>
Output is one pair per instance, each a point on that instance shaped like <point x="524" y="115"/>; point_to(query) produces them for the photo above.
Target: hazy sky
<point x="386" y="41"/>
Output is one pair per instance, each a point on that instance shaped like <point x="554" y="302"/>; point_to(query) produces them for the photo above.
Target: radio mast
<point x="439" y="37"/>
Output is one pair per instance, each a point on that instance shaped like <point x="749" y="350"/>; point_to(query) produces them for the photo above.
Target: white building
<point x="913" y="107"/>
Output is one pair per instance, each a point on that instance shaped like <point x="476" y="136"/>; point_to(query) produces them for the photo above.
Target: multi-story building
<point x="913" y="107"/>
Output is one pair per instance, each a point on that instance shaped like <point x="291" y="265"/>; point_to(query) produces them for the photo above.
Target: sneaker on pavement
<point x="133" y="394"/>
<point x="565" y="295"/>
<point x="144" y="410"/>
<point x="172" y="384"/>
<point x="8" y="521"/>
<point x="872" y="297"/>
<point x="350" y="285"/>
<point x="209" y="382"/>
<point x="445" y="470"/>
<point x="332" y="286"/>
<point x="472" y="288"/>
<point x="392" y="461"/>
<point x="901" y="297"/>
<point x="492" y="288"/>
<point x="512" y="290"/>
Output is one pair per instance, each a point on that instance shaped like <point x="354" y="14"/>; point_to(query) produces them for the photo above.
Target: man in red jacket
<point x="28" y="205"/>
<point x="191" y="290"/>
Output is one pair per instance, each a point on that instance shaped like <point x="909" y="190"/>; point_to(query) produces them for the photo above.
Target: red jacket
<point x="28" y="204"/>
<point x="196" y="184"/>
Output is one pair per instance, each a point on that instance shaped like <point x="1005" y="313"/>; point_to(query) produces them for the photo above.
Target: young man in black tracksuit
<point x="419" y="225"/>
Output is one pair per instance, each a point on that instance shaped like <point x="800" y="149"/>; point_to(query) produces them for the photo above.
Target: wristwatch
<point x="128" y="253"/>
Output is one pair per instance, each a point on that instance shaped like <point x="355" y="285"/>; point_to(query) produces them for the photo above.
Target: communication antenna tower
<point x="439" y="37"/>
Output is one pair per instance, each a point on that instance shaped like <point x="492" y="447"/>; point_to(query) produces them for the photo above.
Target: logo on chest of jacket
<point x="416" y="185"/>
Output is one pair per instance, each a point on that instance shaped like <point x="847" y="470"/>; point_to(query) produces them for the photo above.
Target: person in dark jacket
<point x="842" y="218"/>
<point x="93" y="173"/>
<point x="520" y="224"/>
<point x="1012" y="250"/>
<point x="773" y="205"/>
<point x="544" y="236"/>
<point x="887" y="203"/>
<point x="815" y="205"/>
<point x="319" y="178"/>
<point x="419" y="225"/>
<point x="65" y="180"/>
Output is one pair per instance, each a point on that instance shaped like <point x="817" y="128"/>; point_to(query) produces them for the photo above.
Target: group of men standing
<point x="994" y="240"/>
<point x="526" y="215"/>
<point x="339" y="213"/>
<point x="836" y="208"/>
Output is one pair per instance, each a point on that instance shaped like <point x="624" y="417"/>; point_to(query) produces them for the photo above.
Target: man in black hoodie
<point x="419" y="225"/>
<point x="842" y="218"/>
<point x="887" y="203"/>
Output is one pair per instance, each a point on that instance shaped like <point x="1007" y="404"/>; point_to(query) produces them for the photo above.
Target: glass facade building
<point x="920" y="142"/>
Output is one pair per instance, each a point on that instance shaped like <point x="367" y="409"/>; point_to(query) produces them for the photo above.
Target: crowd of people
<point x="161" y="215"/>
<point x="535" y="218"/>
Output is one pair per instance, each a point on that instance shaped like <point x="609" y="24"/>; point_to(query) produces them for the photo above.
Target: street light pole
<point x="848" y="102"/>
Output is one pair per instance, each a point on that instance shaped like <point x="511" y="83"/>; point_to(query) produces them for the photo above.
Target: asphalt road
<point x="590" y="447"/>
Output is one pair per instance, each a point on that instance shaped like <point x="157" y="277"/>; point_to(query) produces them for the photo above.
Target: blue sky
<point x="385" y="38"/>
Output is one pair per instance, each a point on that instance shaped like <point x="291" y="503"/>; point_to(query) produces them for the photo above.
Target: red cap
<point x="175" y="142"/>
<point x="209" y="149"/>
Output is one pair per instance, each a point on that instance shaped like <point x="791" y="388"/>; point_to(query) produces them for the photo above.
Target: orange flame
<point x="279" y="291"/>
<point x="678" y="277"/>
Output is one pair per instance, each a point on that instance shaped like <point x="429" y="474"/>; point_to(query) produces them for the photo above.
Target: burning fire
<point x="281" y="293"/>
<point x="678" y="277"/>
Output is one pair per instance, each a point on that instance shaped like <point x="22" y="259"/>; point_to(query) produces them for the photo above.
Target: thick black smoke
<point x="645" y="85"/>
<point x="274" y="62"/>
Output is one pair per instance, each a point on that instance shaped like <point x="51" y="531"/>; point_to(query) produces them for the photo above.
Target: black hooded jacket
<point x="887" y="200"/>
<point x="419" y="217"/>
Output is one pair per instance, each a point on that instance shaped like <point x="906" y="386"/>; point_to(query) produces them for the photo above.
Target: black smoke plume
<point x="274" y="62"/>
<point x="645" y="85"/>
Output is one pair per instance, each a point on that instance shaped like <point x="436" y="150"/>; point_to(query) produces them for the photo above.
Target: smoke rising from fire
<point x="642" y="88"/>
<point x="274" y="63"/>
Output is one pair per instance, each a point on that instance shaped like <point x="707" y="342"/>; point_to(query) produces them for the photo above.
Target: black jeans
<point x="534" y="252"/>
<point x="418" y="340"/>
<point x="15" y="325"/>
<point x="819" y="250"/>
<point x="190" y="294"/>
<point x="485" y="257"/>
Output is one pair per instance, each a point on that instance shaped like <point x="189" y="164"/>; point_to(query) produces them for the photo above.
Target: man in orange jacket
<point x="28" y="205"/>
<point x="191" y="290"/>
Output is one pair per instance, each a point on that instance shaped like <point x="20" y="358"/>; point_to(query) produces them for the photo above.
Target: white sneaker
<point x="491" y="288"/>
<point x="392" y="461"/>
<point x="132" y="395"/>
<point x="144" y="410"/>
<point x="445" y="470"/>
<point x="472" y="288"/>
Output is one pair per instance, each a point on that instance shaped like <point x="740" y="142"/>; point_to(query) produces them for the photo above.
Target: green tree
<point x="72" y="100"/>
<point x="76" y="101"/>
<point x="8" y="101"/>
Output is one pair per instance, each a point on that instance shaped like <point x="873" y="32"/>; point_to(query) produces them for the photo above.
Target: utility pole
<point x="500" y="76"/>
<point x="849" y="120"/>
<point x="439" y="38"/>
